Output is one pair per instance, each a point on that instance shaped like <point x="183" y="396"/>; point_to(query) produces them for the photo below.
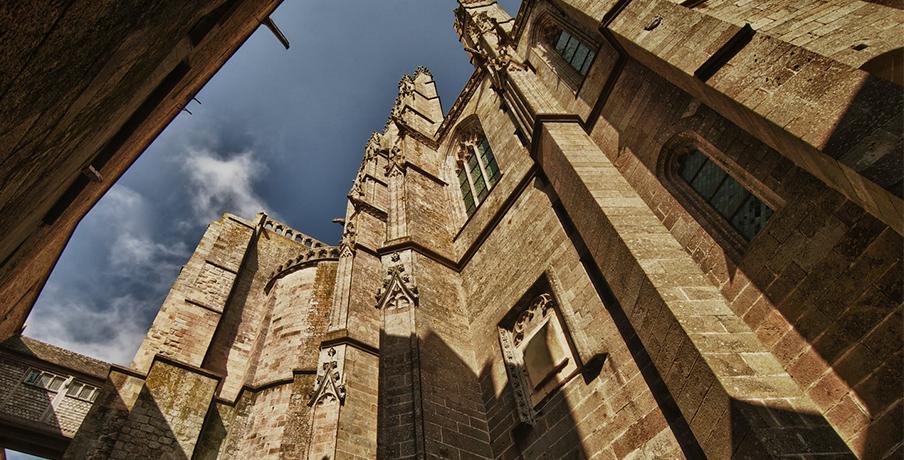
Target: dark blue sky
<point x="279" y="130"/>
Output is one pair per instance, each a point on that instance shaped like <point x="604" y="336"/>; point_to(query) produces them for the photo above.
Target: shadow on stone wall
<point x="433" y="404"/>
<point x="822" y="265"/>
<point x="29" y="424"/>
<point x="112" y="430"/>
<point x="227" y="329"/>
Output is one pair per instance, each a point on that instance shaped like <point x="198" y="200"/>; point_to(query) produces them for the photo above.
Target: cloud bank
<point x="126" y="253"/>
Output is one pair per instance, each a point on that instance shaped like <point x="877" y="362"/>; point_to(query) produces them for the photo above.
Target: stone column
<point x="400" y="415"/>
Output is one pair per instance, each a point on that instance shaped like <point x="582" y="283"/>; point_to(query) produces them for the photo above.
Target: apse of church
<point x="644" y="229"/>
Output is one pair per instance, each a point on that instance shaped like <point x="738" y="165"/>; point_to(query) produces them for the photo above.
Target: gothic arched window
<point x="722" y="193"/>
<point x="477" y="169"/>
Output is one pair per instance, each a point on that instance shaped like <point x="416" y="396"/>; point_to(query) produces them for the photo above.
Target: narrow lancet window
<point x="477" y="170"/>
<point x="466" y="194"/>
<point x="489" y="161"/>
<point x="744" y="211"/>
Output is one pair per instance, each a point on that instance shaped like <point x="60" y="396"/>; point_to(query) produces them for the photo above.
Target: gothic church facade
<point x="645" y="229"/>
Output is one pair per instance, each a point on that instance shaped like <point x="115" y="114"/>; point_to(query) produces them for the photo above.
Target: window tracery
<point x="477" y="170"/>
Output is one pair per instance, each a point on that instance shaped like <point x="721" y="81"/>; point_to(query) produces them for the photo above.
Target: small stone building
<point x="644" y="229"/>
<point x="45" y="393"/>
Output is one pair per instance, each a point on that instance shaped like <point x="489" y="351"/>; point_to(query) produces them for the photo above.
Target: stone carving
<point x="549" y="33"/>
<point x="406" y="87"/>
<point x="329" y="385"/>
<point x="396" y="164"/>
<point x="399" y="289"/>
<point x="510" y="338"/>
<point x="533" y="314"/>
<point x="468" y="140"/>
<point x="487" y="44"/>
<point x="357" y="190"/>
<point x="424" y="70"/>
<point x="347" y="243"/>
<point x="517" y="379"/>
<point x="372" y="146"/>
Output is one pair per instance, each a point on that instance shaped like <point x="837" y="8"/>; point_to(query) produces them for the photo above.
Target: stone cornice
<point x="344" y="337"/>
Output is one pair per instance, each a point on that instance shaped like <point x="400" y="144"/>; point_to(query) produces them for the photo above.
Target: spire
<point x="417" y="104"/>
<point x="484" y="30"/>
<point x="468" y="9"/>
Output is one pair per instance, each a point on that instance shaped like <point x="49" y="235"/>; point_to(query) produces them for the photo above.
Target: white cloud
<point x="105" y="314"/>
<point x="220" y="185"/>
<point x="111" y="333"/>
<point x="131" y="254"/>
<point x="133" y="249"/>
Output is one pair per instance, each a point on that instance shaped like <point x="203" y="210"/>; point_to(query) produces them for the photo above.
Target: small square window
<point x="86" y="392"/>
<point x="562" y="41"/>
<point x="74" y="388"/>
<point x="55" y="383"/>
<point x="32" y="376"/>
<point x="44" y="379"/>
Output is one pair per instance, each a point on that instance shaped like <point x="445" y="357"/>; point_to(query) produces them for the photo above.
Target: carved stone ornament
<point x="510" y="338"/>
<point x="482" y="30"/>
<point x="396" y="163"/>
<point x="424" y="70"/>
<point x="467" y="143"/>
<point x="517" y="379"/>
<point x="357" y="190"/>
<point x="538" y="310"/>
<point x="550" y="33"/>
<point x="399" y="289"/>
<point x="347" y="243"/>
<point x="406" y="87"/>
<point x="329" y="385"/>
<point x="373" y="146"/>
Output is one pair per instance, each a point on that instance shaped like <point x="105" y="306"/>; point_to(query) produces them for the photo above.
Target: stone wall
<point x="680" y="338"/>
<point x="191" y="312"/>
<point x="614" y="413"/>
<point x="817" y="285"/>
<point x="147" y="416"/>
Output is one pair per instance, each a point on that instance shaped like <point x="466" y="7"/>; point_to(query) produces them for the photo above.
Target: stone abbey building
<point x="644" y="229"/>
